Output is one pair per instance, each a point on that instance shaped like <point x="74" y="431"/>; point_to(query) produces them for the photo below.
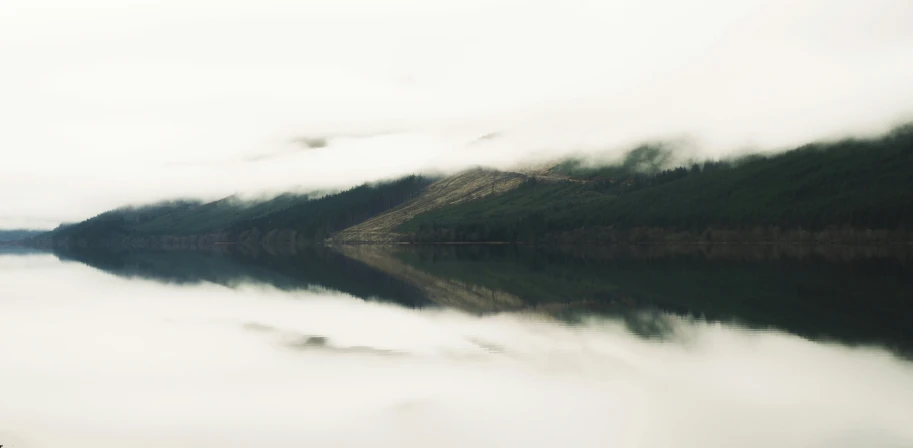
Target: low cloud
<point x="101" y="114"/>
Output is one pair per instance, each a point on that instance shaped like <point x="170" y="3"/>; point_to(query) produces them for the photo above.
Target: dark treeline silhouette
<point x="855" y="190"/>
<point x="322" y="217"/>
<point x="12" y="235"/>
<point x="312" y="218"/>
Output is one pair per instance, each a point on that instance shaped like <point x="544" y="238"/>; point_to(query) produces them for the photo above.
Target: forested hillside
<point x="851" y="191"/>
<point x="325" y="216"/>
<point x="8" y="236"/>
<point x="850" y="186"/>
<point x="311" y="218"/>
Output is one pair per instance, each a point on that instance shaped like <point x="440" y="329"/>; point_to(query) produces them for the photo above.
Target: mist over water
<point x="110" y="104"/>
<point x="89" y="359"/>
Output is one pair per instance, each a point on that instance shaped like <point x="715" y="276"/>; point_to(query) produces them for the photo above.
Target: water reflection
<point x="849" y="295"/>
<point x="314" y="268"/>
<point x="852" y="295"/>
<point x="90" y="359"/>
<point x="18" y="250"/>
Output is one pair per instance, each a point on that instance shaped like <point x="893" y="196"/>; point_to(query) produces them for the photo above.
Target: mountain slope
<point x="464" y="187"/>
<point x="11" y="235"/>
<point x="301" y="219"/>
<point x="852" y="191"/>
<point x="852" y="186"/>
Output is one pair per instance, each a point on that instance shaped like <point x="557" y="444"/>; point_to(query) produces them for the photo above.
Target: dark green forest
<point x="311" y="216"/>
<point x="322" y="217"/>
<point x="11" y="235"/>
<point x="852" y="191"/>
<point x="837" y="188"/>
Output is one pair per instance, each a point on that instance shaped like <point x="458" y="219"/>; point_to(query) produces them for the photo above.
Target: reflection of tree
<point x="854" y="300"/>
<point x="312" y="268"/>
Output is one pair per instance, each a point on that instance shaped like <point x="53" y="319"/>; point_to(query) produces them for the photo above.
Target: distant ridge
<point x="854" y="191"/>
<point x="12" y="235"/>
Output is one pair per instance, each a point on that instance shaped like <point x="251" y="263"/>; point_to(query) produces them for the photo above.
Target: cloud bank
<point x="109" y="102"/>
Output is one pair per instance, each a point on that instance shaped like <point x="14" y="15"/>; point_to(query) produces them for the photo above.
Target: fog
<point x="107" y="102"/>
<point x="92" y="360"/>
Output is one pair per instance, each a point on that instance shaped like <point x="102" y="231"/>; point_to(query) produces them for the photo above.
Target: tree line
<point x="849" y="186"/>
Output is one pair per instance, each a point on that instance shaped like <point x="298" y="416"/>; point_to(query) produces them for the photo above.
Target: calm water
<point x="457" y="346"/>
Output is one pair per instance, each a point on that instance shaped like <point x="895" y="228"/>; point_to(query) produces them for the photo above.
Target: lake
<point x="458" y="346"/>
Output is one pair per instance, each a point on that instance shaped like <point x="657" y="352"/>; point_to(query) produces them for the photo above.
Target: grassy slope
<point x="463" y="187"/>
<point x="324" y="216"/>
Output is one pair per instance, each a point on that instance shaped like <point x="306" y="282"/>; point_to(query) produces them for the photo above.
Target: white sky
<point x="108" y="102"/>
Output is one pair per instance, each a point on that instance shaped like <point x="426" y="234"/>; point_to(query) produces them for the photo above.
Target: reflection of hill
<point x="309" y="269"/>
<point x="865" y="300"/>
<point x="856" y="296"/>
<point x="463" y="294"/>
<point x="19" y="250"/>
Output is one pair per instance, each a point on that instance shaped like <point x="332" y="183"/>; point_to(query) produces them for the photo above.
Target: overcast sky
<point x="109" y="102"/>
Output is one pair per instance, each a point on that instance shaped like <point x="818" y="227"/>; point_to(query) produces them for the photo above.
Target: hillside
<point x="466" y="186"/>
<point x="12" y="235"/>
<point x="855" y="191"/>
<point x="301" y="219"/>
<point x="849" y="191"/>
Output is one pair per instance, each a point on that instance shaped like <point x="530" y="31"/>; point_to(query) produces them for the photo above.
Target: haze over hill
<point x="7" y="236"/>
<point x="109" y="103"/>
<point x="456" y="223"/>
<point x="855" y="191"/>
